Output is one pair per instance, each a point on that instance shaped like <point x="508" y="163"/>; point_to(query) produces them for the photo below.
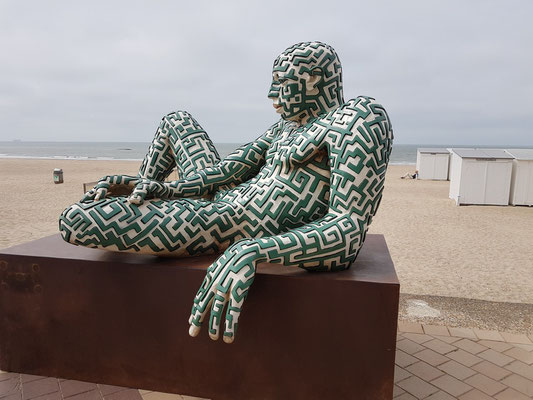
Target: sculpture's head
<point x="306" y="81"/>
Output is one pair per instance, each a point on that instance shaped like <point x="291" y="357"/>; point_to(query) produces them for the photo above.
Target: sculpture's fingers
<point x="138" y="195"/>
<point x="232" y="319"/>
<point x="201" y="307"/>
<point x="100" y="193"/>
<point x="136" y="198"/>
<point x="89" y="195"/>
<point x="219" y="303"/>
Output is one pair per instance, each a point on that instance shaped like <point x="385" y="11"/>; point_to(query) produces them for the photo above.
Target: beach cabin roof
<point x="482" y="153"/>
<point x="521" y="154"/>
<point x="433" y="150"/>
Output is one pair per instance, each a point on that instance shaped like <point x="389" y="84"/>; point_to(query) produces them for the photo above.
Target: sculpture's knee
<point x="77" y="226"/>
<point x="178" y="115"/>
<point x="72" y="222"/>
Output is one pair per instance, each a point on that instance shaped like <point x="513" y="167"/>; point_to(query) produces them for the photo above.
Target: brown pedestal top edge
<point x="373" y="264"/>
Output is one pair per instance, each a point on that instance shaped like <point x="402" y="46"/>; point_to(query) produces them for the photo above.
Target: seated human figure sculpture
<point x="302" y="194"/>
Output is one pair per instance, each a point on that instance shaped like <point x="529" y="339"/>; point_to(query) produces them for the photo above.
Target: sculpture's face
<point x="293" y="92"/>
<point x="306" y="81"/>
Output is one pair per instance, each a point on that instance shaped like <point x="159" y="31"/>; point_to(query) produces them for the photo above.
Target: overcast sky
<point x="448" y="72"/>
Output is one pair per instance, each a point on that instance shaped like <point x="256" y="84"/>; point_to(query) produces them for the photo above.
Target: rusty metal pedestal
<point x="121" y="319"/>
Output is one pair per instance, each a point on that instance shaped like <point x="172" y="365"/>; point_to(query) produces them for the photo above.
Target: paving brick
<point x="520" y="368"/>
<point x="39" y="387"/>
<point x="399" y="374"/>
<point x="417" y="387"/>
<point x="403" y="359"/>
<point x="92" y="395"/>
<point x="527" y="347"/>
<point x="396" y="391"/>
<point x="405" y="396"/>
<point x="8" y="375"/>
<point x="439" y="346"/>
<point x="431" y="357"/>
<point x="404" y="326"/>
<point x="470" y="346"/>
<point x="409" y="346"/>
<point x="519" y="383"/>
<point x="491" y="370"/>
<point x="435" y="330"/>
<point x="520" y="354"/>
<point x="463" y="332"/>
<point x="424" y="370"/>
<point x="457" y="370"/>
<point x="475" y="395"/>
<point x="515" y="338"/>
<point x="447" y="339"/>
<point x="440" y="395"/>
<point x="485" y="384"/>
<point x="109" y="389"/>
<point x="417" y="337"/>
<point x="464" y="357"/>
<point x="28" y="378"/>
<point x="488" y="335"/>
<point x="162" y="396"/>
<point x="451" y="385"/>
<point x="498" y="346"/>
<point x="71" y="387"/>
<point x="50" y="396"/>
<point x="128" y="394"/>
<point x="495" y="357"/>
<point x="510" y="394"/>
<point x="9" y="386"/>
<point x="13" y="396"/>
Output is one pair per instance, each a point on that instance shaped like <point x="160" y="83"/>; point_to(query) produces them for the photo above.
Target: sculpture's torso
<point x="284" y="194"/>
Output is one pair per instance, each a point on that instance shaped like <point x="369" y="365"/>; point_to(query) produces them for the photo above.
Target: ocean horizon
<point x="402" y="154"/>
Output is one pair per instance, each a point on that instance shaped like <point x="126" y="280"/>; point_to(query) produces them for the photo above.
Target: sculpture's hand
<point x="102" y="187"/>
<point x="228" y="279"/>
<point x="147" y="187"/>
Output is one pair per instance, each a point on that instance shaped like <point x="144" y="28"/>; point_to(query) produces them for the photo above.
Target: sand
<point x="478" y="252"/>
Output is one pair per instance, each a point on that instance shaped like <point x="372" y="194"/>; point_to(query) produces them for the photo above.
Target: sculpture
<point x="302" y="194"/>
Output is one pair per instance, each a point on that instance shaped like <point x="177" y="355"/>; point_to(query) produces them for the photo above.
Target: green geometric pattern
<point x="302" y="194"/>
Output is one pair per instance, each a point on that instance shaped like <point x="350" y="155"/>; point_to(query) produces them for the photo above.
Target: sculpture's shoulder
<point x="362" y="112"/>
<point x="363" y="107"/>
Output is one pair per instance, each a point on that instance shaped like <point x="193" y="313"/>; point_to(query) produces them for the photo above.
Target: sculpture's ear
<point x="315" y="77"/>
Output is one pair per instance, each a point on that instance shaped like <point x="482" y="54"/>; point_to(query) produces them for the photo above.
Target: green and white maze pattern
<point x="302" y="194"/>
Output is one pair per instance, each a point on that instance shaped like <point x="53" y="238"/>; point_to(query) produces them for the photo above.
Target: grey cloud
<point x="447" y="72"/>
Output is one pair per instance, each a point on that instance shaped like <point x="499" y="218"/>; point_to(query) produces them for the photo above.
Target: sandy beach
<point x="479" y="252"/>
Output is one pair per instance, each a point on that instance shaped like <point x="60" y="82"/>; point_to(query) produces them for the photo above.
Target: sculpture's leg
<point x="179" y="142"/>
<point x="177" y="227"/>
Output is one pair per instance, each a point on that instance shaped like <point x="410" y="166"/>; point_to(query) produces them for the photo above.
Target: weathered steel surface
<point x="121" y="319"/>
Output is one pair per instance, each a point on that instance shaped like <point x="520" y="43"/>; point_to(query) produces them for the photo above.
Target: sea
<point x="402" y="154"/>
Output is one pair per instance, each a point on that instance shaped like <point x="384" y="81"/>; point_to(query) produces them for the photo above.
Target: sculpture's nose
<point x="274" y="91"/>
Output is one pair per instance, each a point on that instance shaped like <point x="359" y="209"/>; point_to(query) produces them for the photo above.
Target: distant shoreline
<point x="402" y="154"/>
<point x="66" y="158"/>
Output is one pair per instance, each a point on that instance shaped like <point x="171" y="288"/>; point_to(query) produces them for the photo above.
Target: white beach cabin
<point x="522" y="177"/>
<point x="480" y="176"/>
<point x="432" y="163"/>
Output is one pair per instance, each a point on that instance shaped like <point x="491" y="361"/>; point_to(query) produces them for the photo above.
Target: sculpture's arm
<point x="331" y="243"/>
<point x="236" y="168"/>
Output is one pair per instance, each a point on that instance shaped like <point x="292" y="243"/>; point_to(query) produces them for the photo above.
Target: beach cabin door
<point x="485" y="182"/>
<point x="473" y="182"/>
<point x="522" y="186"/>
